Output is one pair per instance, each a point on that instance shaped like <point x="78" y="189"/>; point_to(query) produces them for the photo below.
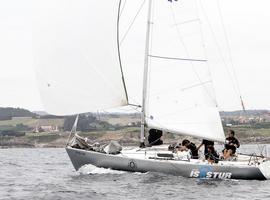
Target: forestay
<point x="75" y="54"/>
<point x="180" y="96"/>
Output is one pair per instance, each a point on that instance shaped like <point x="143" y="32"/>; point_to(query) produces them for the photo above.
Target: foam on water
<point x="91" y="169"/>
<point x="140" y="173"/>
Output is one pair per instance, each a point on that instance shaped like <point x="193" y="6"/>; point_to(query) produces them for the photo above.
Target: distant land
<point x="23" y="128"/>
<point x="40" y="113"/>
<point x="8" y="113"/>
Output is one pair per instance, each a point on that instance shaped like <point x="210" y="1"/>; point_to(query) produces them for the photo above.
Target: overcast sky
<point x="247" y="24"/>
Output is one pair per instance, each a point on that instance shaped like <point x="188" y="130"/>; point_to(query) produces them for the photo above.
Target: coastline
<point x="60" y="140"/>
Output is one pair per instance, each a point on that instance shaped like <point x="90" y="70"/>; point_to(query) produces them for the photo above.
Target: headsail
<point x="180" y="96"/>
<point x="75" y="54"/>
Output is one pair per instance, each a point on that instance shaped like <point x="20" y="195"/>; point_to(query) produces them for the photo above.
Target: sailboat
<point x="80" y="66"/>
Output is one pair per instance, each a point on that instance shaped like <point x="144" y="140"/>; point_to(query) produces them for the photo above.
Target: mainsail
<point x="76" y="57"/>
<point x="180" y="95"/>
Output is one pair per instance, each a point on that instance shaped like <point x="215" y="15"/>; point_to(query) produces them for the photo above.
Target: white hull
<point x="145" y="160"/>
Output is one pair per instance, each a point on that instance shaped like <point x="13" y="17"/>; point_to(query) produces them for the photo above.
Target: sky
<point x="247" y="26"/>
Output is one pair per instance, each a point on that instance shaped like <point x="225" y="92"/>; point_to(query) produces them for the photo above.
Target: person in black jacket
<point x="154" y="137"/>
<point x="187" y="145"/>
<point x="206" y="143"/>
<point x="230" y="145"/>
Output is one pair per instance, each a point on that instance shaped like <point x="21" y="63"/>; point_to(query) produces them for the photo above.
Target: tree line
<point x="8" y="113"/>
<point x="86" y="123"/>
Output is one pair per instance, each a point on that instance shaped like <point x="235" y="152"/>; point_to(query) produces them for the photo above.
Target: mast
<point x="145" y="74"/>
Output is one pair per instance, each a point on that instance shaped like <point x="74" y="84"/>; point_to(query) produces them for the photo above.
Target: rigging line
<point x="260" y="147"/>
<point x="123" y="6"/>
<point x="119" y="53"/>
<point x="204" y="50"/>
<point x="233" y="70"/>
<point x="133" y="21"/>
<point x="230" y="53"/>
<point x="133" y="99"/>
<point x="253" y="154"/>
<point x="218" y="47"/>
<point x="228" y="46"/>
<point x="135" y="105"/>
<point x="129" y="108"/>
<point x="175" y="58"/>
<point x="253" y="133"/>
<point x="137" y="109"/>
<point x="187" y="52"/>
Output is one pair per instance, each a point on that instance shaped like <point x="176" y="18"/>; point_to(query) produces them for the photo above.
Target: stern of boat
<point x="265" y="169"/>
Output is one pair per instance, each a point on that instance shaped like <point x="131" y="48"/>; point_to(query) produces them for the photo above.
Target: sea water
<point x="49" y="174"/>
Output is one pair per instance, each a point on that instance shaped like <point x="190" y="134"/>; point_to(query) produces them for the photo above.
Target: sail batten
<point x="175" y="58"/>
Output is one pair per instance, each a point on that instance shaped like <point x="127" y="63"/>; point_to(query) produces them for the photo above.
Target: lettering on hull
<point x="207" y="172"/>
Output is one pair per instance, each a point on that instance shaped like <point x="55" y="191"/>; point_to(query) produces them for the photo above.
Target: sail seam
<point x="133" y="21"/>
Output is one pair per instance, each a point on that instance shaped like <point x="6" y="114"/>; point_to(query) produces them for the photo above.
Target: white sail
<point x="180" y="96"/>
<point x="76" y="57"/>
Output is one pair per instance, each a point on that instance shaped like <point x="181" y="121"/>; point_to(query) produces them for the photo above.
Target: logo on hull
<point x="208" y="172"/>
<point x="132" y="164"/>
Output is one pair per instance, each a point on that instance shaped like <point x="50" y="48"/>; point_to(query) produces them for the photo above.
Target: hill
<point x="8" y="113"/>
<point x="26" y="129"/>
<point x="244" y="113"/>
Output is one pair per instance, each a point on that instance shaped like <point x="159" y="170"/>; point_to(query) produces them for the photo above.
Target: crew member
<point x="230" y="145"/>
<point x="206" y="143"/>
<point x="187" y="145"/>
<point x="154" y="137"/>
<point x="212" y="155"/>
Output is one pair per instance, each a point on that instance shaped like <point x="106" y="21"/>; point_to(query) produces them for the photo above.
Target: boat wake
<point x="91" y="169"/>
